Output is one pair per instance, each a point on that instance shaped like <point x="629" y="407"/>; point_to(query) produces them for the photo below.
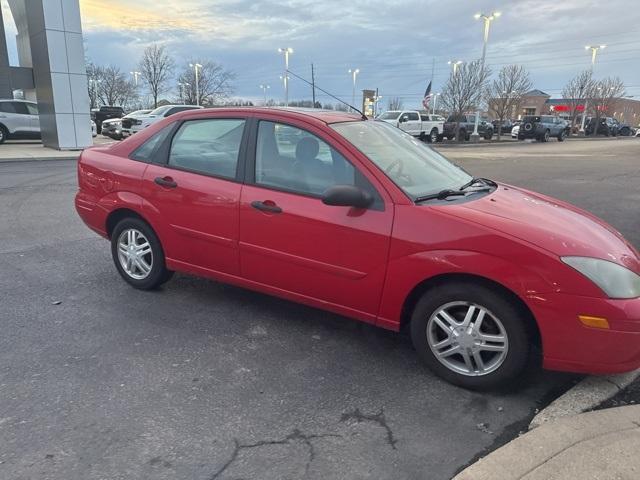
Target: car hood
<point x="550" y="224"/>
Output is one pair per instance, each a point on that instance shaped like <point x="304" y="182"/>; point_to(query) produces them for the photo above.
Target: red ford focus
<point x="359" y="218"/>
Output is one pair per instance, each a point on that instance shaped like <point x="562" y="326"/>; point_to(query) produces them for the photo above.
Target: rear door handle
<point x="267" y="206"/>
<point x="166" y="182"/>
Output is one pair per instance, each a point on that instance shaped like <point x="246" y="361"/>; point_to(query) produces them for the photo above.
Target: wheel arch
<point x="119" y="214"/>
<point x="441" y="279"/>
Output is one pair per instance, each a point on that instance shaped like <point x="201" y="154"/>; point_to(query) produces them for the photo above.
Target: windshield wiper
<point x="475" y="180"/>
<point x="444" y="194"/>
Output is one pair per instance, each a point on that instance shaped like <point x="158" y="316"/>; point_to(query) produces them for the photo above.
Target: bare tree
<point x="395" y="103"/>
<point x="113" y="88"/>
<point x="94" y="77"/>
<point x="465" y="90"/>
<point x="606" y="93"/>
<point x="506" y="92"/>
<point x="577" y="92"/>
<point x="214" y="84"/>
<point x="156" y="68"/>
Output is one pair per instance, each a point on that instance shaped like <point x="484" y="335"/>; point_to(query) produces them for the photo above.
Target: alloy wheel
<point x="467" y="338"/>
<point x="135" y="254"/>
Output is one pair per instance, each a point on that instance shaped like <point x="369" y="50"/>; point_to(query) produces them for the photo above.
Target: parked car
<point x="18" y="119"/>
<point x="483" y="277"/>
<point x="467" y="126"/>
<point x="105" y="112"/>
<point x="94" y="129"/>
<point x="507" y="126"/>
<point x="515" y="130"/>
<point x="134" y="123"/>
<point x="112" y="128"/>
<point x="542" y="128"/>
<point x="418" y="123"/>
<point x="609" y="126"/>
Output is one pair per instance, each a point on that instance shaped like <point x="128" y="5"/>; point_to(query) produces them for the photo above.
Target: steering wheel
<point x="398" y="175"/>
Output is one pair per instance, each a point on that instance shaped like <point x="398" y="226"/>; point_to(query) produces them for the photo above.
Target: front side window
<point x="209" y="146"/>
<point x="292" y="159"/>
<point x="7" y="107"/>
<point x="412" y="116"/>
<point x="409" y="163"/>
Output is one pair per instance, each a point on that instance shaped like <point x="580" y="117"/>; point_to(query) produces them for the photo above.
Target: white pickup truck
<point x="419" y="123"/>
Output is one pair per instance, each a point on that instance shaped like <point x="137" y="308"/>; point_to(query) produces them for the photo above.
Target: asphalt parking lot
<point x="205" y="381"/>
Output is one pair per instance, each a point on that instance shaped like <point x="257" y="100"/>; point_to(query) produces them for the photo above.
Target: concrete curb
<point x="585" y="395"/>
<point x="589" y="446"/>
<point x="512" y="142"/>
<point x="35" y="159"/>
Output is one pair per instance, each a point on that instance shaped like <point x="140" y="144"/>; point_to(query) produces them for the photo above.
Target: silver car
<point x="18" y="119"/>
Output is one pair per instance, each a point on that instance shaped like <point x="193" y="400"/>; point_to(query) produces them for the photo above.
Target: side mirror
<point x="402" y="119"/>
<point x="347" y="196"/>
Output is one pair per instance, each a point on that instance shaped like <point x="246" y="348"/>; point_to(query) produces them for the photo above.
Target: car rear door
<point x="34" y="117"/>
<point x="291" y="241"/>
<point x="193" y="188"/>
<point x="11" y="119"/>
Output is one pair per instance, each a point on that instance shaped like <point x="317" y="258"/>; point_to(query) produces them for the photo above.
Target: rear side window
<point x="146" y="151"/>
<point x="208" y="146"/>
<point x="21" y="108"/>
<point x="412" y="116"/>
<point x="33" y="109"/>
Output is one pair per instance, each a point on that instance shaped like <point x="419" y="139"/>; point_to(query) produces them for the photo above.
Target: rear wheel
<point x="470" y="335"/>
<point x="545" y="136"/>
<point x="433" y="135"/>
<point x="561" y="136"/>
<point x="4" y="134"/>
<point x="488" y="135"/>
<point x="138" y="255"/>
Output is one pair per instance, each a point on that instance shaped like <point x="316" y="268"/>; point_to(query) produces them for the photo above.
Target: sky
<point x="398" y="45"/>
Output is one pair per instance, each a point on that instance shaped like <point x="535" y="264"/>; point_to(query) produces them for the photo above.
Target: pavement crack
<point x="296" y="435"/>
<point x="378" y="418"/>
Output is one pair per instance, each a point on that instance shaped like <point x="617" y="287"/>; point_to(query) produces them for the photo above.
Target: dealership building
<point x="51" y="69"/>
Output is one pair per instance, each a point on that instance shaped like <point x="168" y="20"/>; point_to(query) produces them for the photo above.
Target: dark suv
<point x="467" y="124"/>
<point x="542" y="127"/>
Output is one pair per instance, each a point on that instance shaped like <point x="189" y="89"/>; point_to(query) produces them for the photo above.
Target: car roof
<point x="324" y="116"/>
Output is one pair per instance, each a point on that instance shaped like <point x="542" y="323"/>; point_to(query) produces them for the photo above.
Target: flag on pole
<point x="427" y="97"/>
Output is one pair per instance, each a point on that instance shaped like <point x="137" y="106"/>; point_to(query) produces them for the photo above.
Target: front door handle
<point x="166" y="182"/>
<point x="266" y="206"/>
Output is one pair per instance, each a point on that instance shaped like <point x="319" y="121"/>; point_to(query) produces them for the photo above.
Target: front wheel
<point x="470" y="335"/>
<point x="561" y="136"/>
<point x="4" y="134"/>
<point x="433" y="135"/>
<point x="138" y="255"/>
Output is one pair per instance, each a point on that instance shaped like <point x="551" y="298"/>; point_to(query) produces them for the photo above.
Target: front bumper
<point x="568" y="345"/>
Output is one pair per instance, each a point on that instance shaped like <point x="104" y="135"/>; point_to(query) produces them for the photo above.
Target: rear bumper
<point x="568" y="345"/>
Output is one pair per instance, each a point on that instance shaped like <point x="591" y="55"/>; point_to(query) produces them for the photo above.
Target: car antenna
<point x="364" y="117"/>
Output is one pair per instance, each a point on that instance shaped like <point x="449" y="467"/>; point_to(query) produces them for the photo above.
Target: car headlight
<point x="614" y="280"/>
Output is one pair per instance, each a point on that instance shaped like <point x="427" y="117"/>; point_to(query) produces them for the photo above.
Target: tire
<point x="545" y="136"/>
<point x="625" y="132"/>
<point x="488" y="135"/>
<point x="422" y="137"/>
<point x="561" y="136"/>
<point x="4" y="134"/>
<point x="457" y="299"/>
<point x="137" y="232"/>
<point x="433" y="136"/>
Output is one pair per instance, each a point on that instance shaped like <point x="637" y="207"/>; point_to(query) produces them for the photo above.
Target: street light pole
<point x="264" y="91"/>
<point x="182" y="86"/>
<point x="454" y="64"/>
<point x="286" y="52"/>
<point x="135" y="77"/>
<point x="435" y="101"/>
<point x="487" y="25"/>
<point x="354" y="73"/>
<point x="594" y="53"/>
<point x="197" y="67"/>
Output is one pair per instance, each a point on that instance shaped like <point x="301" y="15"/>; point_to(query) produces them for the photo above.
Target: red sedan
<point x="356" y="217"/>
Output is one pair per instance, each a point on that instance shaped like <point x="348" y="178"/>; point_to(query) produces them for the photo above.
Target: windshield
<point x="159" y="110"/>
<point x="410" y="164"/>
<point x="389" y="115"/>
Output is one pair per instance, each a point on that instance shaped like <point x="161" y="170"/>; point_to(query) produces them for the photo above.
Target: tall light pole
<point x="454" y="64"/>
<point x="487" y="25"/>
<point x="354" y="73"/>
<point x="197" y="67"/>
<point x="182" y="86"/>
<point x="264" y="91"/>
<point x="286" y="51"/>
<point x="135" y="77"/>
<point x="435" y="101"/>
<point x="594" y="54"/>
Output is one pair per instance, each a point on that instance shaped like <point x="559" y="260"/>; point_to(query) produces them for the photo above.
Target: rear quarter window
<point x="146" y="151"/>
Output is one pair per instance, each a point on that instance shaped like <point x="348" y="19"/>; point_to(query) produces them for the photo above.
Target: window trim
<point x="165" y="149"/>
<point x="379" y="203"/>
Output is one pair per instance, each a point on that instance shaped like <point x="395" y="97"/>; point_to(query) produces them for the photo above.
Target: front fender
<point x="405" y="273"/>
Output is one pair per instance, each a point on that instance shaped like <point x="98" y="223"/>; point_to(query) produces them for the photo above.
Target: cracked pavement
<point x="205" y="381"/>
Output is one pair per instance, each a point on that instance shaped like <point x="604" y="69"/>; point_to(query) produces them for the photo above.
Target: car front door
<point x="413" y="123"/>
<point x="13" y="121"/>
<point x="194" y="189"/>
<point x="292" y="242"/>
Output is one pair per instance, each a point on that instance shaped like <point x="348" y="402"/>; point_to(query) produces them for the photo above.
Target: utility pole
<point x="197" y="68"/>
<point x="313" y="86"/>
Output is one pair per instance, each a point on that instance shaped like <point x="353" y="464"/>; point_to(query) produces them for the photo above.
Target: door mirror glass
<point x="347" y="196"/>
<point x="403" y="119"/>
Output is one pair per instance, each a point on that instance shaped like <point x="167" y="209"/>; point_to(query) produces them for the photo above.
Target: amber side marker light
<point x="594" y="322"/>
